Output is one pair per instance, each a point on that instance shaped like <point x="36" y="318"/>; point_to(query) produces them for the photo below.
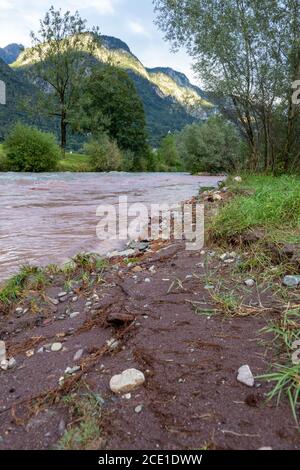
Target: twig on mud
<point x="225" y="431"/>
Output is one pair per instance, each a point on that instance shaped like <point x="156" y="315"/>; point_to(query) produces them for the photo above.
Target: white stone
<point x="2" y="351"/>
<point x="4" y="364"/>
<point x="129" y="380"/>
<point x="74" y="315"/>
<point x="238" y="179"/>
<point x="250" y="282"/>
<point x="265" y="448"/>
<point x="62" y="294"/>
<point x="147" y="280"/>
<point x="78" y="355"/>
<point x="245" y="376"/>
<point x="112" y="344"/>
<point x="72" y="370"/>
<point x="12" y="363"/>
<point x="139" y="409"/>
<point x="55" y="347"/>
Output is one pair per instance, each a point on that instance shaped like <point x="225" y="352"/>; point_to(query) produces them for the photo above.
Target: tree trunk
<point x="63" y="132"/>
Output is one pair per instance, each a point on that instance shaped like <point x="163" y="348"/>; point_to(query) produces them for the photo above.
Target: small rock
<point x="88" y="304"/>
<point x="19" y="311"/>
<point x="4" y="364"/>
<point x="75" y="299"/>
<point x="61" y="381"/>
<point x="78" y="355"/>
<point x="12" y="363"/>
<point x="112" y="344"/>
<point x="41" y="350"/>
<point x="55" y="347"/>
<point x="2" y="351"/>
<point x="265" y="448"/>
<point x="217" y="197"/>
<point x="250" y="282"/>
<point x="152" y="270"/>
<point x="129" y="380"/>
<point x="209" y="287"/>
<point x="119" y="319"/>
<point x="237" y="179"/>
<point x="74" y="314"/>
<point x="137" y="269"/>
<point x="30" y="353"/>
<point x="53" y="301"/>
<point x="245" y="376"/>
<point x="139" y="409"/>
<point x="147" y="280"/>
<point x="291" y="281"/>
<point x="72" y="370"/>
<point x="62" y="294"/>
<point x="127" y="396"/>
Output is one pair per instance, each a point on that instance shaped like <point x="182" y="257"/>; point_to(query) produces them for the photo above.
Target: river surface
<point x="49" y="218"/>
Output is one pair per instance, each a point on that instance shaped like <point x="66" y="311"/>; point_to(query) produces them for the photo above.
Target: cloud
<point x="136" y="27"/>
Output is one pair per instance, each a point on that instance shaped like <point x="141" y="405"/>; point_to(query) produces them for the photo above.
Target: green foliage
<point x="31" y="150"/>
<point x="168" y="158"/>
<point x="274" y="202"/>
<point x="112" y="104"/>
<point x="212" y="147"/>
<point x="104" y="154"/>
<point x="59" y="53"/>
<point x="247" y="55"/>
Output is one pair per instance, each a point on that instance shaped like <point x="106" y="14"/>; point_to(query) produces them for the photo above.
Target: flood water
<point x="48" y="218"/>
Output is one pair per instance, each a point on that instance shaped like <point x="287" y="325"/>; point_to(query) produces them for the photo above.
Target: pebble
<point x="74" y="314"/>
<point x="55" y="347"/>
<point x="137" y="269"/>
<point x="72" y="370"/>
<point x="112" y="344"/>
<point x="265" y="448"/>
<point x="152" y="270"/>
<point x="78" y="355"/>
<point x="250" y="282"/>
<point x="127" y="396"/>
<point x="88" y="304"/>
<point x="127" y="381"/>
<point x="12" y="363"/>
<point x="75" y="299"/>
<point x="41" y="350"/>
<point x="139" y="409"/>
<point x="62" y="294"/>
<point x="147" y="280"/>
<point x="53" y="301"/>
<point x="245" y="376"/>
<point x="238" y="179"/>
<point x="2" y="351"/>
<point x="291" y="281"/>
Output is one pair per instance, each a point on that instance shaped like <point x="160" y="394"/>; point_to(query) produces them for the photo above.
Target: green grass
<point x="75" y="162"/>
<point x="85" y="411"/>
<point x="263" y="202"/>
<point x="28" y="278"/>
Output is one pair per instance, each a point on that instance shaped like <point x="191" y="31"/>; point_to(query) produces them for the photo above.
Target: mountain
<point x="169" y="99"/>
<point x="10" y="53"/>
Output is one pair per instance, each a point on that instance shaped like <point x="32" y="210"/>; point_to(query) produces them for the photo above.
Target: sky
<point x="129" y="20"/>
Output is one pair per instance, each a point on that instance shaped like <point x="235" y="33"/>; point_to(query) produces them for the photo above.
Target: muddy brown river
<point x="48" y="218"/>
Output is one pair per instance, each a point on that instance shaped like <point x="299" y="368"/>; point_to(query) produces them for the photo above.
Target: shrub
<point x="104" y="154"/>
<point x="31" y="150"/>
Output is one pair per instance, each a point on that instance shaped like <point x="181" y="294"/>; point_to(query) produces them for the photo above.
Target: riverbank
<point x="73" y="162"/>
<point x="187" y="320"/>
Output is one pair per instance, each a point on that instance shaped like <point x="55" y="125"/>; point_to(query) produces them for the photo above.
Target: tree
<point x="104" y="154"/>
<point x="111" y="103"/>
<point x="31" y="150"/>
<point x="247" y="53"/>
<point x="58" y="58"/>
<point x="213" y="147"/>
<point x="168" y="158"/>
